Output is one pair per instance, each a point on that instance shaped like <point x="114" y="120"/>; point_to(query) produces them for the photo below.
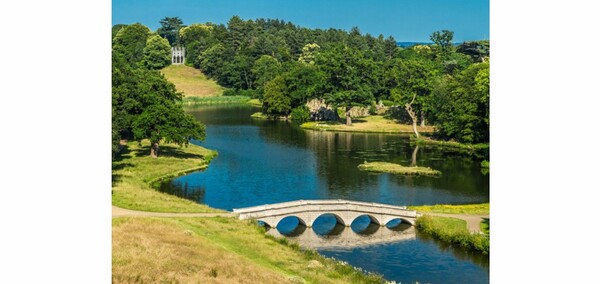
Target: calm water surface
<point x="263" y="162"/>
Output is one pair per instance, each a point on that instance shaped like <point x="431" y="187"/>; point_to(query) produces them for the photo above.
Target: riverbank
<point x="260" y="115"/>
<point x="217" y="100"/>
<point x="453" y="231"/>
<point x="384" y="167"/>
<point x="457" y="224"/>
<point x="369" y="124"/>
<point x="135" y="171"/>
<point x="205" y="247"/>
<point x="481" y="149"/>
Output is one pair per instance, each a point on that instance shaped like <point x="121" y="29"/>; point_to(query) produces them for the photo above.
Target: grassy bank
<point x="475" y="209"/>
<point x="480" y="150"/>
<point x="191" y="81"/>
<point x="260" y="115"/>
<point x="453" y="231"/>
<point x="135" y="171"/>
<point x="370" y="124"/>
<point x="196" y="101"/>
<point x="216" y="250"/>
<point x="383" y="167"/>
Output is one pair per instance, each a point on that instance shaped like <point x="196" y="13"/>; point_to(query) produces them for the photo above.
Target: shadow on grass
<point x="118" y="164"/>
<point x="485" y="226"/>
<point x="167" y="151"/>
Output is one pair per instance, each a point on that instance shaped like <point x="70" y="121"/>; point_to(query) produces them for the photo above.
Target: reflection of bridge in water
<point x="348" y="239"/>
<point x="345" y="213"/>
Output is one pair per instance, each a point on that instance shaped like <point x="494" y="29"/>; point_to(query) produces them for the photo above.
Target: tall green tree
<point x="264" y="70"/>
<point x="130" y="41"/>
<point x="157" y="53"/>
<point x="196" y="38"/>
<point x="275" y="100"/>
<point x="443" y="39"/>
<point x="461" y="105"/>
<point x="346" y="86"/>
<point x="169" y="123"/>
<point x="169" y="29"/>
<point x="413" y="83"/>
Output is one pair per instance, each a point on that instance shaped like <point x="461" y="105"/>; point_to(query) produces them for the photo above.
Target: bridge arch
<point x="345" y="212"/>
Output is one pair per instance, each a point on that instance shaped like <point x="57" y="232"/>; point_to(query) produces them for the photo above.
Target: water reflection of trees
<point x="183" y="190"/>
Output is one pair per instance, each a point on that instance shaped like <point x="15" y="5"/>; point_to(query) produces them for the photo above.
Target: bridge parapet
<point x="309" y="210"/>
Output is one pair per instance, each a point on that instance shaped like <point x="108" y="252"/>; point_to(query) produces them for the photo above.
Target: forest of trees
<point x="285" y="66"/>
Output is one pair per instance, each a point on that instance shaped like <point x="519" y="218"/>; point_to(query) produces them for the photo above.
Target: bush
<point x="229" y="92"/>
<point x="300" y="114"/>
<point x="388" y="103"/>
<point x="372" y="110"/>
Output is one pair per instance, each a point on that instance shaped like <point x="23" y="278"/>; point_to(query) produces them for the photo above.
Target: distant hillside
<point x="405" y="44"/>
<point x="191" y="81"/>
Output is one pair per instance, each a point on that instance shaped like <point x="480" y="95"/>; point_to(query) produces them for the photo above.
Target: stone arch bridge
<point x="345" y="211"/>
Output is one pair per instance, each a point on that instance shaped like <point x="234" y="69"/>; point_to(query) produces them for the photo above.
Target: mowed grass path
<point x="215" y="250"/>
<point x="135" y="171"/>
<point x="191" y="81"/>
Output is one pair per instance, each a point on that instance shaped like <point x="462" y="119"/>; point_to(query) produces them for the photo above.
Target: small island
<point x="385" y="167"/>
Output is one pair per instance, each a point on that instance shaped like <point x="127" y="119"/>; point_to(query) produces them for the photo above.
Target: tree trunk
<point x="414" y="157"/>
<point x="154" y="150"/>
<point x="348" y="118"/>
<point x="412" y="114"/>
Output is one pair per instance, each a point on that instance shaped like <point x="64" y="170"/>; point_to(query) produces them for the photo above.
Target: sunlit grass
<point x="374" y="123"/>
<point x="191" y="81"/>
<point x="384" y="167"/>
<point x="223" y="250"/>
<point x="217" y="100"/>
<point x="453" y="231"/>
<point x="135" y="171"/>
<point x="478" y="209"/>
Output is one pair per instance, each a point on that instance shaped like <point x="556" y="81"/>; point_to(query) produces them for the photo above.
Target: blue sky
<point x="405" y="20"/>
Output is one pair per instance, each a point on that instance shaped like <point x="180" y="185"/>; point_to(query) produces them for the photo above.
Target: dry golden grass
<point x="191" y="81"/>
<point x="375" y="123"/>
<point x="135" y="170"/>
<point x="149" y="250"/>
<point x="215" y="250"/>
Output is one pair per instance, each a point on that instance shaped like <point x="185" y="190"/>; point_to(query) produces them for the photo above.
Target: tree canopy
<point x="286" y="65"/>
<point x="144" y="104"/>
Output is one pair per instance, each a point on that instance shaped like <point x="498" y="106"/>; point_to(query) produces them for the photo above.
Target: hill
<point x="191" y="81"/>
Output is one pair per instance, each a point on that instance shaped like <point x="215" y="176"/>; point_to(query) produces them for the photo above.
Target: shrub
<point x="300" y="114"/>
<point x="229" y="92"/>
<point x="372" y="110"/>
<point x="388" y="103"/>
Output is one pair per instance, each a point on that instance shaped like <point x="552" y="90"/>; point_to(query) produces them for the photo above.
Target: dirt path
<point x="121" y="212"/>
<point x="472" y="220"/>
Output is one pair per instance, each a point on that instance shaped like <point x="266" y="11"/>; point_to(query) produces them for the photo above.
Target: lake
<point x="262" y="162"/>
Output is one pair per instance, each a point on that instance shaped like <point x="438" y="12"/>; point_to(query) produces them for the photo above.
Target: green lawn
<point x="476" y="209"/>
<point x="374" y="124"/>
<point x="135" y="171"/>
